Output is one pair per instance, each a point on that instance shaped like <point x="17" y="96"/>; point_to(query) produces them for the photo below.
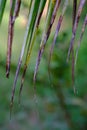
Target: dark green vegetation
<point x="57" y="107"/>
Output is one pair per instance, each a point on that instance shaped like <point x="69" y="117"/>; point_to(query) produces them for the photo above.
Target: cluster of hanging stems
<point x="36" y="9"/>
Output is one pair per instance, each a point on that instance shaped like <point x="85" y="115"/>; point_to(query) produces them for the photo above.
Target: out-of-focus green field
<point x="53" y="103"/>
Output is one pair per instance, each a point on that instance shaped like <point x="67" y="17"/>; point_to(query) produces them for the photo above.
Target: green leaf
<point x="2" y="8"/>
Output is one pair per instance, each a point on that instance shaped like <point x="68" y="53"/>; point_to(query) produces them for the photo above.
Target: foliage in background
<point x="35" y="12"/>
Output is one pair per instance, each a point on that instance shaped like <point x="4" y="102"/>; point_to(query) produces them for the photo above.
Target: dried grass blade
<point x="73" y="59"/>
<point x="40" y="11"/>
<point x="81" y="5"/>
<point x="17" y="9"/>
<point x="81" y="36"/>
<point x="73" y="71"/>
<point x="56" y="34"/>
<point x="14" y="85"/>
<point x="22" y="82"/>
<point x="10" y="37"/>
<point x="58" y="28"/>
<point x="54" y="42"/>
<point x="14" y="11"/>
<point x="31" y="16"/>
<point x="74" y="12"/>
<point x="53" y="7"/>
<point x="24" y="43"/>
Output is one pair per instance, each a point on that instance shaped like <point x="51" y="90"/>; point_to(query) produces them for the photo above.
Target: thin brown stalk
<point x="73" y="72"/>
<point x="54" y="42"/>
<point x="10" y="40"/>
<point x="73" y="59"/>
<point x="74" y="12"/>
<point x="81" y="5"/>
<point x="39" y="15"/>
<point x="22" y="81"/>
<point x="13" y="90"/>
<point x="20" y="61"/>
<point x="56" y="35"/>
<point x="17" y="9"/>
<point x="81" y="36"/>
<point x="44" y="41"/>
<point x="12" y="18"/>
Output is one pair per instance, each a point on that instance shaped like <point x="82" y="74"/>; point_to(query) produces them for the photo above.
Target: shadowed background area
<point x="55" y="107"/>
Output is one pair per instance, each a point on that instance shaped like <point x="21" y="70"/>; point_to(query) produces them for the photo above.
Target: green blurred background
<point x="57" y="107"/>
